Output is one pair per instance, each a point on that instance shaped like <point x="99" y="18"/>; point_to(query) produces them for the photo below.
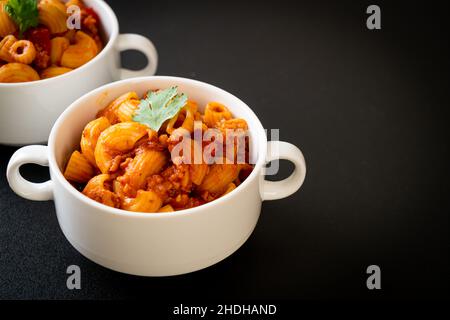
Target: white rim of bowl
<point x="261" y="155"/>
<point x="109" y="45"/>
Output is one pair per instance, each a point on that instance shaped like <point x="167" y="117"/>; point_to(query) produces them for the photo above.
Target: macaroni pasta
<point x="49" y="48"/>
<point x="128" y="165"/>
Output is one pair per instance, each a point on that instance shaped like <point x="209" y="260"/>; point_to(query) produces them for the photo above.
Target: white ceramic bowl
<point x="28" y="110"/>
<point x="157" y="244"/>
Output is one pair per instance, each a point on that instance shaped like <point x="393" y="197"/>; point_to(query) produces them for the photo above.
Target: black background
<point x="369" y="109"/>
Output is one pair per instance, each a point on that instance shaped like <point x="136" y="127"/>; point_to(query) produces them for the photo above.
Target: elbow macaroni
<point x="17" y="72"/>
<point x="54" y="72"/>
<point x="13" y="50"/>
<point x="127" y="165"/>
<point x="57" y="3"/>
<point x="78" y="168"/>
<point x="97" y="188"/>
<point x="5" y="48"/>
<point x="23" y="51"/>
<point x="187" y="116"/>
<point x="7" y="26"/>
<point x="52" y="16"/>
<point x="126" y="110"/>
<point x="219" y="177"/>
<point x="84" y="50"/>
<point x="145" y="201"/>
<point x="146" y="163"/>
<point x="117" y="139"/>
<point x="90" y="136"/>
<point x="215" y="112"/>
<point x="110" y="112"/>
<point x="58" y="46"/>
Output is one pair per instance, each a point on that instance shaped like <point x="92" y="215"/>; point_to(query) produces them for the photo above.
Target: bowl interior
<point x="66" y="134"/>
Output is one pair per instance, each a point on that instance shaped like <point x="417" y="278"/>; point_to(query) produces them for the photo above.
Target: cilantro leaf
<point x="159" y="106"/>
<point x="24" y="13"/>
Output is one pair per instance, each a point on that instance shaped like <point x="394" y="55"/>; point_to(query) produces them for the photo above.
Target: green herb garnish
<point x="159" y="106"/>
<point x="24" y="13"/>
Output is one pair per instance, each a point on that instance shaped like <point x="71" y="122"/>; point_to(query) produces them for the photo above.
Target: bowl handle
<point x="24" y="188"/>
<point x="130" y="41"/>
<point x="281" y="189"/>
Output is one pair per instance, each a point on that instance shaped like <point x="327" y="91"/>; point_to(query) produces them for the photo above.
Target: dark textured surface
<point x="369" y="111"/>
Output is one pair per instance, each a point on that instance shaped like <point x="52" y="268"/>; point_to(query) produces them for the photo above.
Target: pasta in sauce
<point x="126" y="164"/>
<point x="49" y="49"/>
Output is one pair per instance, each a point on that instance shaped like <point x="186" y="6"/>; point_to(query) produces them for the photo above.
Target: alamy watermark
<point x="74" y="20"/>
<point x="373" y="22"/>
<point x="374" y="280"/>
<point x="74" y="280"/>
<point x="215" y="146"/>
